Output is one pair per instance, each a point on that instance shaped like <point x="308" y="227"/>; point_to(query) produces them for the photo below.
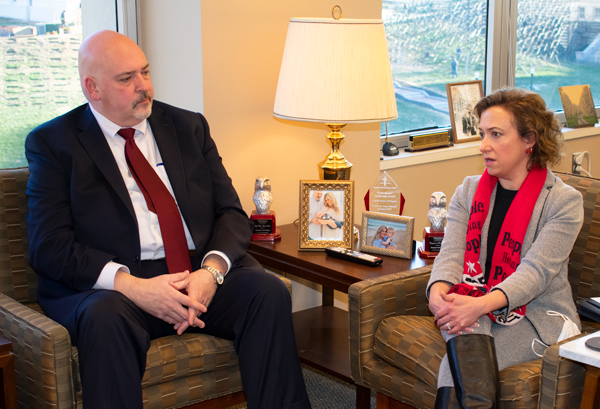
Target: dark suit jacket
<point x="80" y="214"/>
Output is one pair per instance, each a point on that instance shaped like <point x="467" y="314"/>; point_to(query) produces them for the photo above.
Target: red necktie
<point x="159" y="201"/>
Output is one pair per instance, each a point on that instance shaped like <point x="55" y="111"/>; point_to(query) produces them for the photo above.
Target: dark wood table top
<point x="320" y="268"/>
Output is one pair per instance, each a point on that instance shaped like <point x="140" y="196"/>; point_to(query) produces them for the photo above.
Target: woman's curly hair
<point x="531" y="118"/>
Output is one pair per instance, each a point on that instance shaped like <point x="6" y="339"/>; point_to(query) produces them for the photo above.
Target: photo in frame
<point x="462" y="98"/>
<point x="326" y="214"/>
<point x="578" y="104"/>
<point x="387" y="234"/>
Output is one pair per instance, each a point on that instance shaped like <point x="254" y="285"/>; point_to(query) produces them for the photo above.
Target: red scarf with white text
<point x="507" y="252"/>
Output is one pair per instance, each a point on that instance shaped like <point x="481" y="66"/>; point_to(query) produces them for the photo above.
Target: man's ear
<point x="91" y="88"/>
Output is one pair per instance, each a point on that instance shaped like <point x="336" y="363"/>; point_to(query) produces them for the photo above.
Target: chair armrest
<point x="371" y="301"/>
<point x="42" y="350"/>
<point x="561" y="384"/>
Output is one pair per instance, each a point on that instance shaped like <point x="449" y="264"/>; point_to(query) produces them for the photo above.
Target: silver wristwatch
<point x="217" y="275"/>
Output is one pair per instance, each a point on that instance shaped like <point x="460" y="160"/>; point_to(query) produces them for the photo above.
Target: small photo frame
<point x="326" y="214"/>
<point x="578" y="105"/>
<point x="387" y="234"/>
<point x="462" y="98"/>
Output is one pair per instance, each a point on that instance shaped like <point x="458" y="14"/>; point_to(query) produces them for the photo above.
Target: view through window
<point x="431" y="43"/>
<point x="434" y="42"/>
<point x="38" y="74"/>
<point x="558" y="44"/>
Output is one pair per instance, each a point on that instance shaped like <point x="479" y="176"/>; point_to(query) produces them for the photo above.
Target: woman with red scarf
<point x="503" y="262"/>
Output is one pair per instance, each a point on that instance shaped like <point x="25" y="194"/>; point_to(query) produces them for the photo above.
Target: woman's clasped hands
<point x="454" y="313"/>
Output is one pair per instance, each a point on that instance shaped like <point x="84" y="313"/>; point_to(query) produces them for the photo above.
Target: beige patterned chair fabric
<point x="180" y="371"/>
<point x="396" y="349"/>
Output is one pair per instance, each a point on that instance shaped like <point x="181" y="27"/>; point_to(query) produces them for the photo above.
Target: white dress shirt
<point x="151" y="242"/>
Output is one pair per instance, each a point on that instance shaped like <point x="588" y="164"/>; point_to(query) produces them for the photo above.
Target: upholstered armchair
<point x="396" y="349"/>
<point x="197" y="370"/>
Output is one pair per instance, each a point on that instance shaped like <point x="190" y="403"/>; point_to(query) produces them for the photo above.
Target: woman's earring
<point x="528" y="151"/>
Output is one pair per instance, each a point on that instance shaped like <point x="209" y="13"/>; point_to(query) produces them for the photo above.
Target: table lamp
<point x="335" y="72"/>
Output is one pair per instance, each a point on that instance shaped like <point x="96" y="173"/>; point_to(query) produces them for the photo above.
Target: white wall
<point x="98" y="15"/>
<point x="171" y="37"/>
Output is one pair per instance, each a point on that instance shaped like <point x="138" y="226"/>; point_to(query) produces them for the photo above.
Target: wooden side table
<point x="577" y="351"/>
<point x="322" y="332"/>
<point x="8" y="392"/>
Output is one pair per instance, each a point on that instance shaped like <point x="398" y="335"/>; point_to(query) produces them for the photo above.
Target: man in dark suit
<point x="99" y="250"/>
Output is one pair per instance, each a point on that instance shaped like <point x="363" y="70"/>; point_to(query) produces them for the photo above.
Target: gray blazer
<point x="540" y="281"/>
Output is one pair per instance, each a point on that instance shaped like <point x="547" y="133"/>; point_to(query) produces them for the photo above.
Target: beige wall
<point x="242" y="46"/>
<point x="590" y="144"/>
<point x="418" y="182"/>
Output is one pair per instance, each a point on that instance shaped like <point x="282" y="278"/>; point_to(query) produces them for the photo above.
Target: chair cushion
<point x="413" y="344"/>
<point x="174" y="357"/>
<point x="520" y="385"/>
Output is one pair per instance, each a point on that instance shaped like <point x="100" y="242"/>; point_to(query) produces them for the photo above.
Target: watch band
<point x="217" y="275"/>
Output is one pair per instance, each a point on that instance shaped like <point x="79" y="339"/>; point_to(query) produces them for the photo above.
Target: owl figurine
<point x="437" y="211"/>
<point x="262" y="195"/>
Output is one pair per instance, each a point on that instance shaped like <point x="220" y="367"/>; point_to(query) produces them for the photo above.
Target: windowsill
<point x="462" y="150"/>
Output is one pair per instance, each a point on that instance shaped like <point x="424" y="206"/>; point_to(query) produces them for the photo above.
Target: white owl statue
<point x="262" y="195"/>
<point x="437" y="211"/>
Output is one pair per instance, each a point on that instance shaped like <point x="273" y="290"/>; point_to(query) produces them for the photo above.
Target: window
<point x="38" y="56"/>
<point x="434" y="42"/>
<point x="554" y="49"/>
<point x="39" y="60"/>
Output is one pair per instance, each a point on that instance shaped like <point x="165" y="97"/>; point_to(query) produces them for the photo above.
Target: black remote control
<point x="354" y="256"/>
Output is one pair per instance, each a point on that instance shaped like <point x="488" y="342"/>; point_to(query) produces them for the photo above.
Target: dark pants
<point x="251" y="308"/>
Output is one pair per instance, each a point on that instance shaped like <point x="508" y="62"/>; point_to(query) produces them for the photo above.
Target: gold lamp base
<point x="335" y="166"/>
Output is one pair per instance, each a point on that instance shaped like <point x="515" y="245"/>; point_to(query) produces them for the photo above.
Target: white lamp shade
<point x="335" y="71"/>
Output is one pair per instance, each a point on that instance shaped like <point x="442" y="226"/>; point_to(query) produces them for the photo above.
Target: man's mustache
<point x="145" y="95"/>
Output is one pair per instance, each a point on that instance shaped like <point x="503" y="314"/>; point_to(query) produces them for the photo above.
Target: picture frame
<point x="462" y="98"/>
<point x="326" y="214"/>
<point x="401" y="240"/>
<point x="578" y="105"/>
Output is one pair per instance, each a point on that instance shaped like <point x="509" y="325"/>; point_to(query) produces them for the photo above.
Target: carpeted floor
<point x="327" y="392"/>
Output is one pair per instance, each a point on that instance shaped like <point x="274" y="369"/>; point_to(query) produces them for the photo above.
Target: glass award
<point x="385" y="196"/>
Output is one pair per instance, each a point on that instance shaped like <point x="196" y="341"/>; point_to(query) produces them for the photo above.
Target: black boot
<point x="474" y="370"/>
<point x="446" y="398"/>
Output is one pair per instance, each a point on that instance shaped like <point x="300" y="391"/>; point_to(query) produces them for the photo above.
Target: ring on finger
<point x="448" y="326"/>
